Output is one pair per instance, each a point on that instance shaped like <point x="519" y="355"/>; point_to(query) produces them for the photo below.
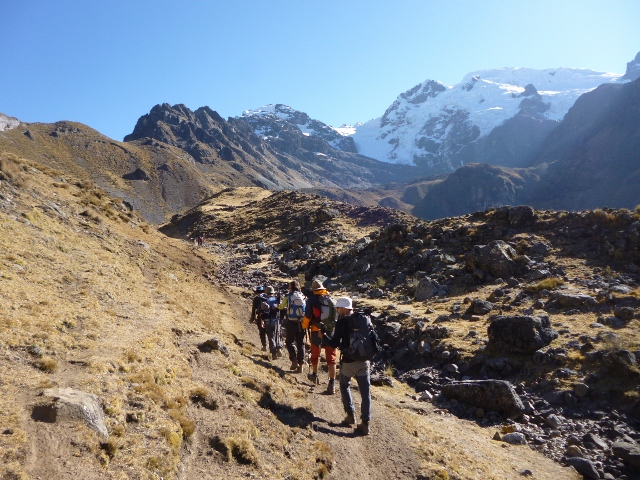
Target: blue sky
<point x="106" y="63"/>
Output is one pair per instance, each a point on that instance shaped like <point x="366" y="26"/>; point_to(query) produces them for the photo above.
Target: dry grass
<point x="95" y="296"/>
<point x="546" y="284"/>
<point x="48" y="365"/>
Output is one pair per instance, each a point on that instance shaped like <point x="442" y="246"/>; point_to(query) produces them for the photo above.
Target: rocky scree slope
<point x="573" y="275"/>
<point x="546" y="301"/>
<point x="285" y="158"/>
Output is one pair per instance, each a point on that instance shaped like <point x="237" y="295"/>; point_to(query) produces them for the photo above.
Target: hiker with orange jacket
<point x="312" y="319"/>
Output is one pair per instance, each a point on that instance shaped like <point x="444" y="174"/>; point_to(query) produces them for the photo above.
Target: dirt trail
<point x="408" y="438"/>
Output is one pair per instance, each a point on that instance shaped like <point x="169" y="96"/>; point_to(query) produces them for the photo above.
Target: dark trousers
<point x="273" y="335"/>
<point x="294" y="340"/>
<point x="263" y="333"/>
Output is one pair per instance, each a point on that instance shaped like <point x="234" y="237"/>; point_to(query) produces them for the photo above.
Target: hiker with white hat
<point x="357" y="340"/>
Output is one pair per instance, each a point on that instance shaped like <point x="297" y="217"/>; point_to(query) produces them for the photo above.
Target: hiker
<point x="271" y="321"/>
<point x="320" y="316"/>
<point x="356" y="338"/>
<point x="293" y="306"/>
<point x="256" y="315"/>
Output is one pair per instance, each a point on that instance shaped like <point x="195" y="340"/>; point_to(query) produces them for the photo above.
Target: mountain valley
<point x="501" y="272"/>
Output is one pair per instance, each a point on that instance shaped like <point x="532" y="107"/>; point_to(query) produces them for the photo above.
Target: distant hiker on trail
<point x="271" y="320"/>
<point x="358" y="342"/>
<point x="294" y="304"/>
<point x="320" y="316"/>
<point x="256" y="315"/>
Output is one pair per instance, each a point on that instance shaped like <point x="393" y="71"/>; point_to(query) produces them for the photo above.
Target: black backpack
<point x="363" y="339"/>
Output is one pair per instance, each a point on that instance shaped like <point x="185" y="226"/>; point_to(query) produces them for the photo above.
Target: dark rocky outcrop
<point x="137" y="174"/>
<point x="490" y="395"/>
<point x="629" y="452"/>
<point x="519" y="334"/>
<point x="283" y="157"/>
<point x="497" y="259"/>
<point x="633" y="69"/>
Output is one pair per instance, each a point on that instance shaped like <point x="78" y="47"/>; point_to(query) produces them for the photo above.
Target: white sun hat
<point x="344" y="302"/>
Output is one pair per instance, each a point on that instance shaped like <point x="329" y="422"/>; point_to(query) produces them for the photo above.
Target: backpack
<point x="328" y="312"/>
<point x="296" y="304"/>
<point x="363" y="339"/>
<point x="269" y="310"/>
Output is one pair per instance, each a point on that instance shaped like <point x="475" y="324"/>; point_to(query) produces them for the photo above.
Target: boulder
<point x="480" y="307"/>
<point x="571" y="300"/>
<point x="214" y="344"/>
<point x="540" y="248"/>
<point x="580" y="389"/>
<point x="629" y="452"/>
<point x="515" y="438"/>
<point x="624" y="313"/>
<point x="516" y="215"/>
<point x="490" y="395"/>
<point x="72" y="405"/>
<point x="496" y="258"/>
<point x="584" y="467"/>
<point x="427" y="288"/>
<point x="520" y="334"/>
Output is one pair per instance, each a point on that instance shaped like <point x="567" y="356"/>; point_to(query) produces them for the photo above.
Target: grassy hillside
<point x="94" y="299"/>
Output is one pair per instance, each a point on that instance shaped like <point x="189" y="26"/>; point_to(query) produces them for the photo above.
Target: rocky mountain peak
<point x="395" y="115"/>
<point x="633" y="69"/>
<point x="274" y="122"/>
<point x="440" y="127"/>
<point x="7" y="123"/>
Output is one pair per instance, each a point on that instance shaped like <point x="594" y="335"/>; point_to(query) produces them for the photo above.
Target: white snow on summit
<point x="432" y="117"/>
<point x="270" y="120"/>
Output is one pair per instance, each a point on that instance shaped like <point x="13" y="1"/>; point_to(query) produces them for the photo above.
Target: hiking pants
<point x="294" y="341"/>
<point x="361" y="371"/>
<point x="273" y="335"/>
<point x="263" y="332"/>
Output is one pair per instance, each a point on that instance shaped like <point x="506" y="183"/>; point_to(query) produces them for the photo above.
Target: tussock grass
<point x="188" y="426"/>
<point x="545" y="284"/>
<point x="173" y="438"/>
<point x="324" y="459"/>
<point x="47" y="364"/>
<point x="11" y="171"/>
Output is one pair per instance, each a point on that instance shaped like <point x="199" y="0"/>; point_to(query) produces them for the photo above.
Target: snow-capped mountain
<point x="271" y="121"/>
<point x="442" y="126"/>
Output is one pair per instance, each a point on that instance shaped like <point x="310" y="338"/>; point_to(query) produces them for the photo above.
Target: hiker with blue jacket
<point x="356" y="338"/>
<point x="294" y="304"/>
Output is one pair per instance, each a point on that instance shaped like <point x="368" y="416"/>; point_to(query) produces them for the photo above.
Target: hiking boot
<point x="363" y="428"/>
<point x="331" y="388"/>
<point x="264" y="348"/>
<point x="274" y="356"/>
<point x="279" y="352"/>
<point x="314" y="378"/>
<point x="294" y="365"/>
<point x="299" y="368"/>
<point x="350" y="419"/>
